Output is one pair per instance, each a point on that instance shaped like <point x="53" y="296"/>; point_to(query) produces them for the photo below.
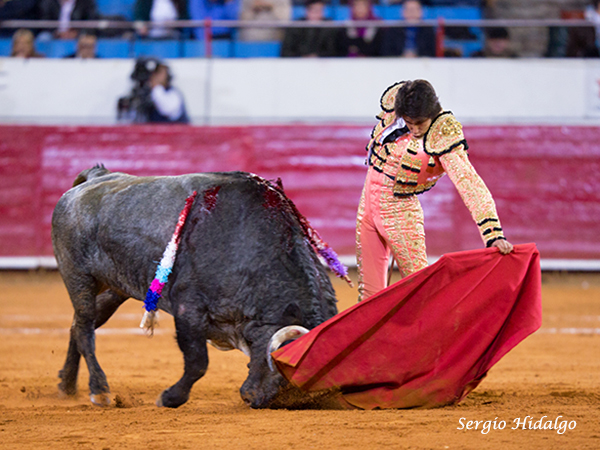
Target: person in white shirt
<point x="268" y="10"/>
<point x="167" y="102"/>
<point x="158" y="12"/>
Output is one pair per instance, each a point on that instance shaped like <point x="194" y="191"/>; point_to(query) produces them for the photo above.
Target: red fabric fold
<point x="427" y="340"/>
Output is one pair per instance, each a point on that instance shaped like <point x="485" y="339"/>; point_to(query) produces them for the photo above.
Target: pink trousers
<point x="386" y="224"/>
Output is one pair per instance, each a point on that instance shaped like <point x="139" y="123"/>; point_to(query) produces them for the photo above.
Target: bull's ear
<point x="292" y="315"/>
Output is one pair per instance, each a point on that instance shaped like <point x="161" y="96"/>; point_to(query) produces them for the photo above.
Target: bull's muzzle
<point x="253" y="398"/>
<point x="288" y="333"/>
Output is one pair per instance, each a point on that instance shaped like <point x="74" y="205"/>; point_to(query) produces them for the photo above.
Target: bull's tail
<point x="320" y="246"/>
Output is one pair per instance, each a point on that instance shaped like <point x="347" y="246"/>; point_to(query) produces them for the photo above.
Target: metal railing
<point x="208" y="23"/>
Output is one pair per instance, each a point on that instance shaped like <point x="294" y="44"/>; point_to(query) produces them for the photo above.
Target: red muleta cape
<point x="427" y="340"/>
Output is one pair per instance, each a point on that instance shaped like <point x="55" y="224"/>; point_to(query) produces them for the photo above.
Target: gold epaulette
<point x="388" y="98"/>
<point x="386" y="117"/>
<point x="387" y="101"/>
<point x="385" y="120"/>
<point x="378" y="153"/>
<point x="444" y="135"/>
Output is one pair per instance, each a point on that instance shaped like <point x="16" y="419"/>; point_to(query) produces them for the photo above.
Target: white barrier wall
<point x="222" y="91"/>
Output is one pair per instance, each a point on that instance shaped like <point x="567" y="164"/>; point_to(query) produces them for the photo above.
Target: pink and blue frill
<point x="156" y="287"/>
<point x="164" y="270"/>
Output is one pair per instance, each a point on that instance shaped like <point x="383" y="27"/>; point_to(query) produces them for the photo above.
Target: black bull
<point x="244" y="269"/>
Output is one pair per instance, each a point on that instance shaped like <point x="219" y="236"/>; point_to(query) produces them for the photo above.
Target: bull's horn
<point x="291" y="332"/>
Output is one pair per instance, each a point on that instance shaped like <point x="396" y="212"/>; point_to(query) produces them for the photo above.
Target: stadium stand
<point x="123" y="48"/>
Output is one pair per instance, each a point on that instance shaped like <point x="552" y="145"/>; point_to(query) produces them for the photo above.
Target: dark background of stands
<point x="185" y="47"/>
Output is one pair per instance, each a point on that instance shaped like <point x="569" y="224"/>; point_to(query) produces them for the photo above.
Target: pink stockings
<point x="386" y="223"/>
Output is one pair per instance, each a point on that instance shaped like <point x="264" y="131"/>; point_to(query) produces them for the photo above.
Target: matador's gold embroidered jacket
<point x="420" y="164"/>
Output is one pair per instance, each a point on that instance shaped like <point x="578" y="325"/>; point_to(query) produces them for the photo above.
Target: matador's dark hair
<point x="417" y="99"/>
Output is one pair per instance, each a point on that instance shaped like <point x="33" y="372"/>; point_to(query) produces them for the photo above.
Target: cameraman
<point x="167" y="102"/>
<point x="152" y="99"/>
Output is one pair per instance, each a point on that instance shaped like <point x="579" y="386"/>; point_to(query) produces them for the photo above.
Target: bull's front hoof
<point x="169" y="399"/>
<point x="100" y="399"/>
<point x="66" y="387"/>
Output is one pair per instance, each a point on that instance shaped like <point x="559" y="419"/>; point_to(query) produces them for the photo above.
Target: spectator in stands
<point x="16" y="10"/>
<point x="167" y="102"/>
<point x="253" y="10"/>
<point x="153" y="99"/>
<point x="409" y="42"/>
<point x="23" y="45"/>
<point x="86" y="46"/>
<point x="214" y="10"/>
<point x="66" y="11"/>
<point x="497" y="44"/>
<point x="360" y="41"/>
<point x="584" y="42"/>
<point x="157" y="12"/>
<point x="310" y="42"/>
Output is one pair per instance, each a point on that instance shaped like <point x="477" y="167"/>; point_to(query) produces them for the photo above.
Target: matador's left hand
<point x="503" y="245"/>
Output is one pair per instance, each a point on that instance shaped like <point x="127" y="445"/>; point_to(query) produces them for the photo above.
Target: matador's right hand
<point x="503" y="245"/>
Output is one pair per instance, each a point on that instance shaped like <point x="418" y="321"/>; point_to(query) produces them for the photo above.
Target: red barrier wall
<point x="544" y="179"/>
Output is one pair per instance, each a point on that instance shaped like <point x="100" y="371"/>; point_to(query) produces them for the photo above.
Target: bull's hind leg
<point x="191" y="337"/>
<point x="104" y="306"/>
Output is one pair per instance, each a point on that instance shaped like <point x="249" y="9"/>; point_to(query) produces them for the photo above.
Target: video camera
<point x="135" y="108"/>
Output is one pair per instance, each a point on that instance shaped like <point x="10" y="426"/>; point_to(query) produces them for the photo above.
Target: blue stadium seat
<point x="116" y="8"/>
<point x="160" y="49"/>
<point x="223" y="49"/>
<point x="379" y="10"/>
<point x="5" y="46"/>
<point x="341" y="12"/>
<point x="56" y="48"/>
<point x="474" y="3"/>
<point x="267" y="49"/>
<point x="193" y="49"/>
<point x="114" y="48"/>
<point x="391" y="12"/>
<point x="452" y="12"/>
<point x="197" y="49"/>
<point x="299" y="11"/>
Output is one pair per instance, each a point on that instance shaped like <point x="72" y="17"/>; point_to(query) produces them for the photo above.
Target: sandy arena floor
<point x="554" y="375"/>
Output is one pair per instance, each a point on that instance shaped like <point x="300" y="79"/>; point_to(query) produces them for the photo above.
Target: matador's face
<point x="418" y="127"/>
